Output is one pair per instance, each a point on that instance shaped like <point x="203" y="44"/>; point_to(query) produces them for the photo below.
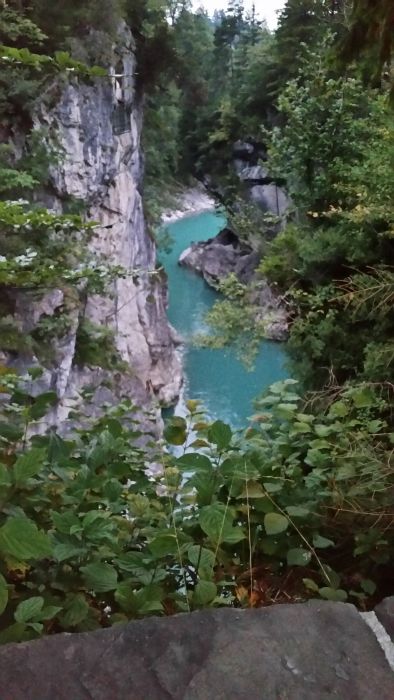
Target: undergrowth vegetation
<point x="108" y="524"/>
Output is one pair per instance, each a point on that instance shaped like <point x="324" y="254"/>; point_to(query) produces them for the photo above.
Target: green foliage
<point x="370" y="36"/>
<point x="95" y="346"/>
<point x="235" y="320"/>
<point x="336" y="149"/>
<point x="90" y="537"/>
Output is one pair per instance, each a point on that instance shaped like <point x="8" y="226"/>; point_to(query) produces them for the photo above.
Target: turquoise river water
<point x="215" y="377"/>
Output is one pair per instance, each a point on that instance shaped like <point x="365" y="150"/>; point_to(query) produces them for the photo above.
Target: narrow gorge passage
<point x="216" y="377"/>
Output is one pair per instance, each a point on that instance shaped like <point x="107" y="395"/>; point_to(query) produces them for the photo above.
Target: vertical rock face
<point x="98" y="128"/>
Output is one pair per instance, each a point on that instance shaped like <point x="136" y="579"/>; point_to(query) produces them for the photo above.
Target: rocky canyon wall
<point x="96" y="126"/>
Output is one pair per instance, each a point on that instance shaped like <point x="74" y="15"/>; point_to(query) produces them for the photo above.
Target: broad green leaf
<point x="164" y="545"/>
<point x="332" y="576"/>
<point x="301" y="428"/>
<point x="213" y="520"/>
<point x="275" y="523"/>
<point x="204" y="593"/>
<point x="336" y="594"/>
<point x="36" y="626"/>
<point x="29" y="464"/>
<point x="264" y="505"/>
<point x="310" y="585"/>
<point x="298" y="557"/>
<point x="205" y="484"/>
<point x="368" y="586"/>
<point x="65" y="521"/>
<point x="269" y="545"/>
<point x="373" y="426"/>
<point x="232" y="535"/>
<point x="29" y="609"/>
<point x="10" y="432"/>
<point x="323" y="430"/>
<point x="143" y="601"/>
<point x="42" y="403"/>
<point x="150" y="606"/>
<point x="273" y="487"/>
<point x="113" y="490"/>
<point x="131" y="561"/>
<point x="322" y="542"/>
<point x="315" y="458"/>
<point x="175" y="431"/>
<point x="49" y="612"/>
<point x="126" y="598"/>
<point x="3" y="594"/>
<point x="13" y="633"/>
<point x="298" y="511"/>
<point x="231" y="467"/>
<point x="252" y="490"/>
<point x="35" y="372"/>
<point x="193" y="461"/>
<point x="220" y="434"/>
<point x="63" y="551"/>
<point x="286" y="410"/>
<point x="201" y="557"/>
<point x="100" y="577"/>
<point x="339" y="409"/>
<point x="363" y="397"/>
<point x="21" y="539"/>
<point x="75" y="611"/>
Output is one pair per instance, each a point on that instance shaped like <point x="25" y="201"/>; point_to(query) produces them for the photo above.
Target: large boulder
<point x="220" y="256"/>
<point x="313" y="651"/>
<point x="223" y="255"/>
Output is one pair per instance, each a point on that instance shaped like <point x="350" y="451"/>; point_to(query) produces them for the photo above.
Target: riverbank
<point x="193" y="200"/>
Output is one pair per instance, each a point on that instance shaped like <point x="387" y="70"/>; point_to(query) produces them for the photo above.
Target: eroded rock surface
<point x="313" y="651"/>
<point x="223" y="255"/>
<point x="97" y="128"/>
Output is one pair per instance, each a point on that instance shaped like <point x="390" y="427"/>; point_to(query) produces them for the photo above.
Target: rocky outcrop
<point x="97" y="128"/>
<point x="263" y="189"/>
<point x="223" y="255"/>
<point x="313" y="651"/>
<point x="217" y="257"/>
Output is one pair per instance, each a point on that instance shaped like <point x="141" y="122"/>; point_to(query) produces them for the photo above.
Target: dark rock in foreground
<point x="385" y="614"/>
<point x="315" y="651"/>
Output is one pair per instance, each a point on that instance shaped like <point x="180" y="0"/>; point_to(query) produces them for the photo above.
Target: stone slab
<point x="385" y="614"/>
<point x="314" y="651"/>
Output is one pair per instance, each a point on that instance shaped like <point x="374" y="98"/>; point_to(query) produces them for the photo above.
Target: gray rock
<point x="217" y="257"/>
<point x="314" y="651"/>
<point x="253" y="173"/>
<point x="243" y="150"/>
<point x="101" y="166"/>
<point x="223" y="255"/>
<point x="271" y="198"/>
<point x="385" y="614"/>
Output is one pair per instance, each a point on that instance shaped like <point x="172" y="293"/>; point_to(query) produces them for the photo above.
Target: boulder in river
<point x="218" y="257"/>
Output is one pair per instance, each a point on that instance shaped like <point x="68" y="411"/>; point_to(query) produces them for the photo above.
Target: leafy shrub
<point x="95" y="529"/>
<point x="95" y="346"/>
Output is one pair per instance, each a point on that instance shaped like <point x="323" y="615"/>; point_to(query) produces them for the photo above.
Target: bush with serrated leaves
<point x="96" y="529"/>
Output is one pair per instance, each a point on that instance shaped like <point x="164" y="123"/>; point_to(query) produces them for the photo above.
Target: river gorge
<point x="214" y="376"/>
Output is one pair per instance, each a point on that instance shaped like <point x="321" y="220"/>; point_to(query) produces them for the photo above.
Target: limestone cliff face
<point x="98" y="128"/>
